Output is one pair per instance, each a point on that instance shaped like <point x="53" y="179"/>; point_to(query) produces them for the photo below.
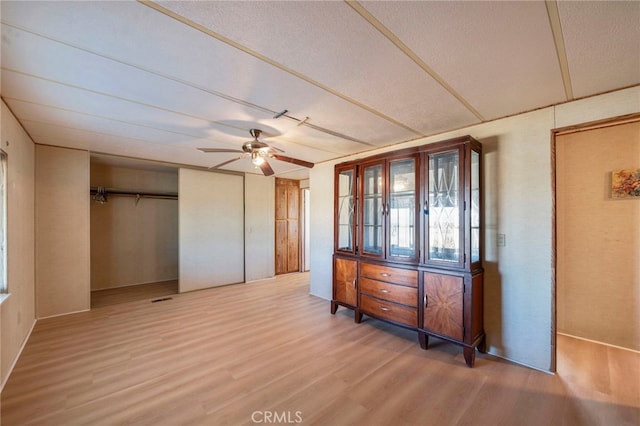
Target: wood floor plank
<point x="228" y="354"/>
<point x="115" y="296"/>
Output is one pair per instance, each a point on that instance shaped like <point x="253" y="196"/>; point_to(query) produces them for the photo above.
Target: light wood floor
<point x="115" y="296"/>
<point x="225" y="355"/>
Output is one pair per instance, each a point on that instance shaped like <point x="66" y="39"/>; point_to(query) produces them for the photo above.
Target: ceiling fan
<point x="258" y="152"/>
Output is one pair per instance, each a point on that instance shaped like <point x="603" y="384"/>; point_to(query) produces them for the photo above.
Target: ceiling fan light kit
<point x="258" y="152"/>
<point x="257" y="158"/>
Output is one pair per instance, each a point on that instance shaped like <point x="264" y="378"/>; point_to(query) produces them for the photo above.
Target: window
<point x="3" y="222"/>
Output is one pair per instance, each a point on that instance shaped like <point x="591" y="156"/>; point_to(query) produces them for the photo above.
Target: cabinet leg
<point x="334" y="308"/>
<point x="357" y="316"/>
<point x="482" y="346"/>
<point x="469" y="356"/>
<point x="424" y="340"/>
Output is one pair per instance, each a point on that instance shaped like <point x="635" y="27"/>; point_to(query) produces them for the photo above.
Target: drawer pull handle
<point x="384" y="291"/>
<point x="382" y="308"/>
<point x="384" y="274"/>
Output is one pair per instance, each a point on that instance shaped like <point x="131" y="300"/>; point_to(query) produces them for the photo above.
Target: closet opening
<point x="134" y="230"/>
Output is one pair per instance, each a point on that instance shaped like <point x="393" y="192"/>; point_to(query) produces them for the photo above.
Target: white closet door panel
<point x="260" y="199"/>
<point x="211" y="222"/>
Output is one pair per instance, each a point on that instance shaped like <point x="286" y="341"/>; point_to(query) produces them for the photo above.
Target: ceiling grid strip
<point x="411" y="54"/>
<point x="558" y="39"/>
<point x="278" y="65"/>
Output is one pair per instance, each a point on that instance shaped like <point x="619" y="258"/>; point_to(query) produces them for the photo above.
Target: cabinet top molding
<point x="460" y="140"/>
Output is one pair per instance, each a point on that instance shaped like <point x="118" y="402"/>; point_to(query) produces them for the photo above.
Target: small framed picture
<point x="625" y="183"/>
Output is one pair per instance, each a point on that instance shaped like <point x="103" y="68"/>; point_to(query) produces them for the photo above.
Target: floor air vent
<point x="161" y="299"/>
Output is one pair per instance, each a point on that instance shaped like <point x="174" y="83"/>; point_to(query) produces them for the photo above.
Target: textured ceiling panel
<point x="500" y="56"/>
<point x="72" y="120"/>
<point x="50" y="94"/>
<point x="136" y="79"/>
<point x="183" y="55"/>
<point x="603" y="44"/>
<point x="79" y="69"/>
<point x="334" y="46"/>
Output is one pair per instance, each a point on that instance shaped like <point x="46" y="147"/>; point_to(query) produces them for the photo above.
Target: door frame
<point x="592" y="125"/>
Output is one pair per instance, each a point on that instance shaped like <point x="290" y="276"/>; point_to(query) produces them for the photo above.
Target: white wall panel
<point x="259" y="227"/>
<point x="211" y="229"/>
<point x="63" y="279"/>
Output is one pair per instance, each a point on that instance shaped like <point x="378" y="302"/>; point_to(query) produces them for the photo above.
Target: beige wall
<point x="62" y="231"/>
<point x="598" y="276"/>
<point x="17" y="314"/>
<point x="133" y="242"/>
<point x="518" y="203"/>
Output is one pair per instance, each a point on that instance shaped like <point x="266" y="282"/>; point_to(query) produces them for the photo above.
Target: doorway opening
<point x="596" y="245"/>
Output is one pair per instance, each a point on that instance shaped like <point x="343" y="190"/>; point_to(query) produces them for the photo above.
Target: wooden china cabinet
<point x="408" y="241"/>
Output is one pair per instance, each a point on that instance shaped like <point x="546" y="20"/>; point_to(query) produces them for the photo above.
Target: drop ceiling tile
<point x="500" y="56"/>
<point x="603" y="44"/>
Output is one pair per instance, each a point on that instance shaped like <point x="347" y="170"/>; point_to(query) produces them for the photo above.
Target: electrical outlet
<point x="502" y="240"/>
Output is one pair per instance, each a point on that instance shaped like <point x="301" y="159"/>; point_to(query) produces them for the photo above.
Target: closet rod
<point x="135" y="193"/>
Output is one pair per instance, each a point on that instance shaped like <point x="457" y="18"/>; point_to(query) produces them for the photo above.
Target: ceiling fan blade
<point x="266" y="168"/>
<point x="273" y="148"/>
<point x="217" y="166"/>
<point x="293" y="160"/>
<point x="218" y="150"/>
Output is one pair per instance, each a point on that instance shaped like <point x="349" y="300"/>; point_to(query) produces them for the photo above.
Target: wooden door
<point x="443" y="311"/>
<point x="287" y="226"/>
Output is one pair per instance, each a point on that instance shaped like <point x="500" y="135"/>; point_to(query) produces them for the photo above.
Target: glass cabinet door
<point x="345" y="206"/>
<point x="475" y="206"/>
<point x="372" y="209"/>
<point x="402" y="208"/>
<point x="444" y="210"/>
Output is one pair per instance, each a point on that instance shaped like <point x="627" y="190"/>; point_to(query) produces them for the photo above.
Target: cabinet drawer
<point x="389" y="310"/>
<point x="387" y="273"/>
<point x="390" y="292"/>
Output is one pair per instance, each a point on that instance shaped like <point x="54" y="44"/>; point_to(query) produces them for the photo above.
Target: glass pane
<point x="372" y="210"/>
<point x="346" y="212"/>
<point x="475" y="206"/>
<point x="402" y="203"/>
<point x="444" y="211"/>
